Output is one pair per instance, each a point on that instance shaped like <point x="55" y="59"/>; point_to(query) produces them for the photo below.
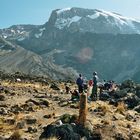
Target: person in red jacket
<point x="90" y="86"/>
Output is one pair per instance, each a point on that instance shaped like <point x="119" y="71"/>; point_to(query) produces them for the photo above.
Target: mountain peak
<point x="59" y="11"/>
<point x="93" y="20"/>
<point x="83" y="12"/>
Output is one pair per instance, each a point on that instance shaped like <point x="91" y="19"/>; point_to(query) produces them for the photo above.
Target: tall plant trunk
<point x="83" y="109"/>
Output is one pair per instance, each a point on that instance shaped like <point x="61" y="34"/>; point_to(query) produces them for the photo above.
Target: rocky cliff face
<point x="77" y="40"/>
<point x="95" y="21"/>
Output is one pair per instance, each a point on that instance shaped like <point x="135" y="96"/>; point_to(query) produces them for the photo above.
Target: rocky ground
<point x="33" y="109"/>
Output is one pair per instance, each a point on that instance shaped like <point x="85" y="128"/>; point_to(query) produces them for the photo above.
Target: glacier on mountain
<point x="61" y="22"/>
<point x="65" y="19"/>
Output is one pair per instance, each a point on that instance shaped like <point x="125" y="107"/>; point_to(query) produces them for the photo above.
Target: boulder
<point x="137" y="108"/>
<point x="65" y="118"/>
<point x="44" y="102"/>
<point x="27" y="107"/>
<point x="96" y="136"/>
<point x="120" y="136"/>
<point x="132" y="101"/>
<point x="20" y="125"/>
<point x="64" y="132"/>
<point x="31" y="130"/>
<point x="104" y="96"/>
<point x="119" y="93"/>
<point x="1" y="89"/>
<point x="138" y="90"/>
<point x="3" y="111"/>
<point x="54" y="86"/>
<point x="2" y="97"/>
<point x="113" y="102"/>
<point x="10" y="121"/>
<point x="134" y="137"/>
<point x="2" y="104"/>
<point x="34" y="101"/>
<point x="68" y="129"/>
<point x="48" y="116"/>
<point x="129" y="117"/>
<point x="16" y="109"/>
<point x="39" y="102"/>
<point x="63" y="104"/>
<point x="30" y="120"/>
<point x="127" y="84"/>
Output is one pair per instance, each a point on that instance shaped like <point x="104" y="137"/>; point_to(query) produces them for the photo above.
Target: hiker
<point x="94" y="89"/>
<point x="85" y="84"/>
<point x="112" y="86"/>
<point x="108" y="85"/>
<point x="90" y="85"/>
<point x="79" y="83"/>
<point x="75" y="95"/>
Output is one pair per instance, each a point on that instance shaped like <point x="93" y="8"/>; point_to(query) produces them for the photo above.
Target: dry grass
<point x="5" y="128"/>
<point x="15" y="136"/>
<point x="106" y="122"/>
<point x="121" y="108"/>
<point x="53" y="138"/>
<point x="136" y="130"/>
<point x="104" y="108"/>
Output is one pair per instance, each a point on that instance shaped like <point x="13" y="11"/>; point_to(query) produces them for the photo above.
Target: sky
<point x="37" y="12"/>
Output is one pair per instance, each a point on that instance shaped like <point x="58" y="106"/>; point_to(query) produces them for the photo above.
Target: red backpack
<point x="90" y="83"/>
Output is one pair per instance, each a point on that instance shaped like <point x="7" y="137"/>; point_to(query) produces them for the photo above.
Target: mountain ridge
<point x="78" y="47"/>
<point x="66" y="17"/>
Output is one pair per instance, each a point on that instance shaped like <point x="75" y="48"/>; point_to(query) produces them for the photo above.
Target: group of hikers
<point x="91" y="87"/>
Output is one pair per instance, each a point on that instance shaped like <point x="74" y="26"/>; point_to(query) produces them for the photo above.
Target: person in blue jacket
<point x="79" y="83"/>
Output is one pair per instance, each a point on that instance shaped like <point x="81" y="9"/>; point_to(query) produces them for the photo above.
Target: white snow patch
<point x="63" y="10"/>
<point x="122" y="19"/>
<point x="130" y="23"/>
<point x="96" y="15"/>
<point x="13" y="31"/>
<point x="2" y="46"/>
<point x="74" y="19"/>
<point x="18" y="31"/>
<point x="59" y="51"/>
<point x="21" y="39"/>
<point x="61" y="22"/>
<point x="42" y="29"/>
<point x="38" y="35"/>
<point x="119" y="20"/>
<point x="23" y="32"/>
<point x="116" y="17"/>
<point x="20" y="27"/>
<point x="5" y="36"/>
<point x="18" y="80"/>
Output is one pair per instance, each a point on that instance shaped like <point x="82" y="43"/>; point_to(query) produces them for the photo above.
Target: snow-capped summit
<point x="93" y="20"/>
<point x="63" y="10"/>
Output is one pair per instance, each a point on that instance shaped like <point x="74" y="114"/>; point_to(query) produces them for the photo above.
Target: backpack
<point x="90" y="83"/>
